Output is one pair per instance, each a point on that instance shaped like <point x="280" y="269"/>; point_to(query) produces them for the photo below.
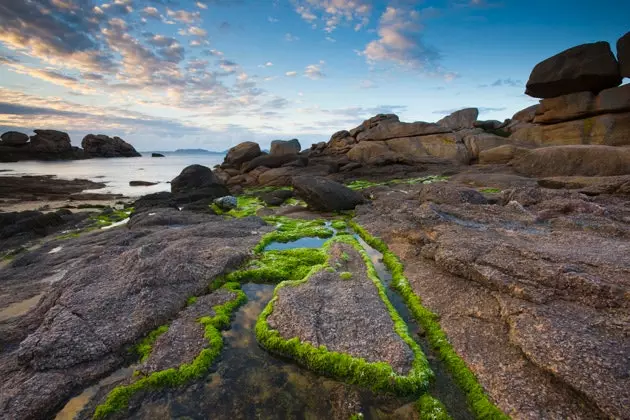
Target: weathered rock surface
<point x="241" y="153"/>
<point x="346" y="316"/>
<point x="270" y="161"/>
<point x="200" y="181"/>
<point x="14" y="138"/>
<point x="591" y="185"/>
<point x="445" y="146"/>
<point x="532" y="294"/>
<point x="501" y="154"/>
<point x="285" y="147"/>
<point x="623" y="55"/>
<point x="100" y="145"/>
<point x="527" y="114"/>
<point x="606" y="129"/>
<point x="277" y="177"/>
<point x="574" y="160"/>
<point x="582" y="105"/>
<point x="477" y="143"/>
<point x="184" y="339"/>
<point x="43" y="188"/>
<point x="459" y="120"/>
<point x="587" y="67"/>
<point x="50" y="141"/>
<point x="326" y="195"/>
<point x="391" y="129"/>
<point x="105" y="291"/>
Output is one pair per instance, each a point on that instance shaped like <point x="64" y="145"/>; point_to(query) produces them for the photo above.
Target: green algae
<point x="144" y="347"/>
<point x="362" y="184"/>
<point x="479" y="402"/>
<point x="295" y="202"/>
<point x="246" y="206"/>
<point x="339" y="224"/>
<point x="356" y="416"/>
<point x="378" y="376"/>
<point x="346" y="275"/>
<point x="431" y="408"/>
<point x="107" y="219"/>
<point x="490" y="190"/>
<point x="191" y="300"/>
<point x="118" y="399"/>
<point x="289" y="230"/>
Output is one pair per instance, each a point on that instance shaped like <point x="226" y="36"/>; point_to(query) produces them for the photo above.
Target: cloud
<point x="183" y="16"/>
<point x="273" y="19"/>
<point x="201" y="5"/>
<point x="290" y="37"/>
<point x="334" y="12"/>
<point x="507" y="82"/>
<point x="291" y="73"/>
<point x="150" y="12"/>
<point x="330" y="39"/>
<point x="400" y="41"/>
<point x="367" y="84"/>
<point x="267" y="64"/>
<point x="314" y="71"/>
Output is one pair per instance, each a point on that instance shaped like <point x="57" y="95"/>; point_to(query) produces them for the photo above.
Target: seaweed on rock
<point x="479" y="402"/>
<point x="431" y="408"/>
<point x="289" y="230"/>
<point x="118" y="399"/>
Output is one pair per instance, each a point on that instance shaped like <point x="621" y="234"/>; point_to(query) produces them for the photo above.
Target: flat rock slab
<point x="184" y="339"/>
<point x="346" y="316"/>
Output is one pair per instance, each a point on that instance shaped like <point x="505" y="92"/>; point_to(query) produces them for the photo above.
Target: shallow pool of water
<point x="308" y="242"/>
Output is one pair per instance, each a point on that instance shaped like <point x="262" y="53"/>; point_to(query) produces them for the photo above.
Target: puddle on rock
<point x="308" y="242"/>
<point x="248" y="382"/>
<point x="19" y="308"/>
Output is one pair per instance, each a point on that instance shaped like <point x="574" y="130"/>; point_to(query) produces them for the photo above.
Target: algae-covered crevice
<point x="430" y="408"/>
<point x="478" y="401"/>
<point x="378" y="376"/>
<point x="363" y="184"/>
<point x="118" y="399"/>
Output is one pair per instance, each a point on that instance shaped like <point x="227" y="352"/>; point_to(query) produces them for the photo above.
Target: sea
<point x="116" y="173"/>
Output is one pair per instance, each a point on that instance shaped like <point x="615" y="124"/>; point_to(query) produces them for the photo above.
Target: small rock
<point x="142" y="183"/>
<point x="157" y="155"/>
<point x="226" y="203"/>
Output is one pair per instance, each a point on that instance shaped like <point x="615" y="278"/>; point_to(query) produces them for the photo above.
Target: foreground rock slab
<point x="326" y="195"/>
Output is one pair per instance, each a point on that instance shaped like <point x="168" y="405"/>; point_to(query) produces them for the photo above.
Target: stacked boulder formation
<point x="56" y="145"/>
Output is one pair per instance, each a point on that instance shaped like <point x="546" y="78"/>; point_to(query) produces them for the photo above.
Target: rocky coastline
<point x="475" y="268"/>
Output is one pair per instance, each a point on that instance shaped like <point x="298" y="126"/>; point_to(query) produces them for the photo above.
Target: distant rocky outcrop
<point x="157" y="155"/>
<point x="56" y="145"/>
<point x="100" y="145"/>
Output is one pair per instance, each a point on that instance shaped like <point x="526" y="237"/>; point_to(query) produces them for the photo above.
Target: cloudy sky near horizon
<point x="167" y="74"/>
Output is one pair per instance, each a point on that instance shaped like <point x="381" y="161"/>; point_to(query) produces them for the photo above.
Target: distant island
<point x="189" y="152"/>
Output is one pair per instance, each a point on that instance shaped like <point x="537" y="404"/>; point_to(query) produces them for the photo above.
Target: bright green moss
<point x="339" y="224"/>
<point x="279" y="265"/>
<point x="289" y="230"/>
<point x="103" y="220"/>
<point x="378" y="376"/>
<point x="246" y="206"/>
<point x="191" y="300"/>
<point x="346" y="275"/>
<point x="356" y="416"/>
<point x="360" y="184"/>
<point x="431" y="408"/>
<point x="295" y="202"/>
<point x="118" y="398"/>
<point x="481" y="406"/>
<point x="490" y="190"/>
<point x="144" y="347"/>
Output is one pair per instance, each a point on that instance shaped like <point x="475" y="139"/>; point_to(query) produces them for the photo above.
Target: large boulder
<point x="623" y="55"/>
<point x="607" y="129"/>
<point x="444" y="146"/>
<point x="241" y="153"/>
<point x="526" y="115"/>
<point x="391" y="129"/>
<point x="587" y="67"/>
<point x="100" y="145"/>
<point x="583" y="104"/>
<point x="459" y="120"/>
<point x="277" y="177"/>
<point x="285" y="147"/>
<point x="584" y="160"/>
<point x="500" y="154"/>
<point x="270" y="161"/>
<point x="368" y="150"/>
<point x="50" y="141"/>
<point x="14" y="138"/>
<point x="476" y="143"/>
<point x="199" y="181"/>
<point x="373" y="122"/>
<point x="325" y="195"/>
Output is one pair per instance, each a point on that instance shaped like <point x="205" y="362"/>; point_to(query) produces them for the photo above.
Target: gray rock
<point x="226" y="203"/>
<point x="587" y="67"/>
<point x="623" y="55"/>
<point x="14" y="138"/>
<point x="285" y="147"/>
<point x="104" y="146"/>
<point x="324" y="194"/>
<point x="197" y="177"/>
<point x="459" y="120"/>
<point x="277" y="197"/>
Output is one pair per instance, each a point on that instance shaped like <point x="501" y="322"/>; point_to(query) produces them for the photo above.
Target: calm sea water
<point x="117" y="172"/>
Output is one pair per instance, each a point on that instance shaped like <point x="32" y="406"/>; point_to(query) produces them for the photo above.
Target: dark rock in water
<point x="226" y="203"/>
<point x="587" y="67"/>
<point x="157" y="155"/>
<point x="326" y="195"/>
<point x="277" y="197"/>
<point x="270" y="161"/>
<point x="241" y="153"/>
<point x="623" y="55"/>
<point x="346" y="316"/>
<point x="285" y="147"/>
<point x="18" y="228"/>
<point x="197" y="182"/>
<point x="142" y="183"/>
<point x="50" y="141"/>
<point x="120" y="285"/>
<point x="104" y="146"/>
<point x="14" y="138"/>
<point x="44" y="187"/>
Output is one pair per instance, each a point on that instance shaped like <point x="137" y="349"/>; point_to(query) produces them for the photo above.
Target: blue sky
<point x="167" y="74"/>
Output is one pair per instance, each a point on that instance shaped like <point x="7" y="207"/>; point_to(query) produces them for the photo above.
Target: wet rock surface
<point x="532" y="291"/>
<point x="345" y="315"/>
<point x="103" y="292"/>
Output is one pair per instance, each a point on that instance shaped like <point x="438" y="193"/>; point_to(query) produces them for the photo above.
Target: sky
<point x="169" y="74"/>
